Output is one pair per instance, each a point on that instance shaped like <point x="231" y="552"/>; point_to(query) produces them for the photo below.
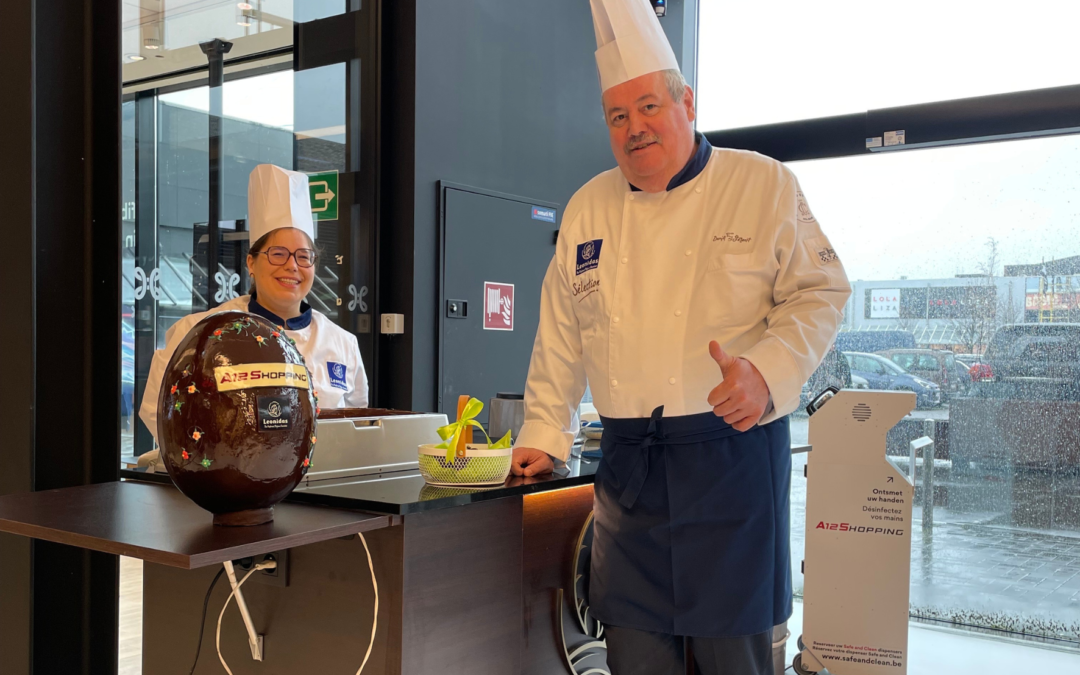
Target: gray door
<point x="502" y="240"/>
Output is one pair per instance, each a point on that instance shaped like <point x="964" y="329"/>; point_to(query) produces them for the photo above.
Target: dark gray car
<point x="1036" y="360"/>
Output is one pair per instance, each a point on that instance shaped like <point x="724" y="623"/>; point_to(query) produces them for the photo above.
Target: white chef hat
<point x="278" y="198"/>
<point x="629" y="40"/>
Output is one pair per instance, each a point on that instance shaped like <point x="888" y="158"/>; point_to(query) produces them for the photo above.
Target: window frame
<point x="1019" y="115"/>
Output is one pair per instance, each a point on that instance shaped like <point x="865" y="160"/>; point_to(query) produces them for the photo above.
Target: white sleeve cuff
<point x="554" y="442"/>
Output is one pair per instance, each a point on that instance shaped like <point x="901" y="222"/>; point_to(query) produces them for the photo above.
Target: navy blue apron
<point x="692" y="527"/>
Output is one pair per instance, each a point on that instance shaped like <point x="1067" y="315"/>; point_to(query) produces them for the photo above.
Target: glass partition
<point x="175" y="261"/>
<point x="971" y="252"/>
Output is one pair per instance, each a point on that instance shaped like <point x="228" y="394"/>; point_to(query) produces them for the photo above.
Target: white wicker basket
<point x="479" y="466"/>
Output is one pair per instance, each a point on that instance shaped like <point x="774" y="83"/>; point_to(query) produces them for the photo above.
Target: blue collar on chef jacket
<point x="695" y="166"/>
<point x="295" y="323"/>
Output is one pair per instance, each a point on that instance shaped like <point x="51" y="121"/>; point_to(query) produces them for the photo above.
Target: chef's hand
<point x="531" y="462"/>
<point x="743" y="395"/>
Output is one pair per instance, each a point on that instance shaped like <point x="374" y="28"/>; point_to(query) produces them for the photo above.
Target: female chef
<point x="281" y="261"/>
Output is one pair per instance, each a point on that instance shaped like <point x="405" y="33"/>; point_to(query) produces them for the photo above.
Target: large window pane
<point x="783" y="60"/>
<point x="294" y="120"/>
<point x="163" y="36"/>
<point x="973" y="253"/>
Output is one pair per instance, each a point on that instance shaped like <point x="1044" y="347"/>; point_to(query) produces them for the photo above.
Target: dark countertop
<point x="406" y="492"/>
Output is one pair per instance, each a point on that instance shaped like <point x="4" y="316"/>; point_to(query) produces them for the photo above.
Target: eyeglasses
<point x="279" y="255"/>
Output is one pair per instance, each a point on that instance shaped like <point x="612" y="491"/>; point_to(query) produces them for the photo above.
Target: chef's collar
<point x="693" y="167"/>
<point x="295" y="323"/>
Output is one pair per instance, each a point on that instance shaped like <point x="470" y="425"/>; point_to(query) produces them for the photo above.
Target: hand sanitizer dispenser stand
<point x="857" y="566"/>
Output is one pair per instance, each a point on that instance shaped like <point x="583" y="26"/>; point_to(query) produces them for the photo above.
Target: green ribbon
<point x="451" y="433"/>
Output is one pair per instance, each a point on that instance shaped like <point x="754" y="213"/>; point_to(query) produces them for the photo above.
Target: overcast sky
<point x="920" y="213"/>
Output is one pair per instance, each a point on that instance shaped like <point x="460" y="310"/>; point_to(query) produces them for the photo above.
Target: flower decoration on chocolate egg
<point x="206" y="462"/>
<point x="172" y="389"/>
<point x="261" y="340"/>
<point x="192" y="390"/>
<point x="196" y="435"/>
<point x="178" y="405"/>
<point x="216" y="335"/>
<point x="185" y="455"/>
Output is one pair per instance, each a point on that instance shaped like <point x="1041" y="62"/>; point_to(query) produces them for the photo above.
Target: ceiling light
<point x="152" y="43"/>
<point x="134" y="57"/>
<point x="244" y="5"/>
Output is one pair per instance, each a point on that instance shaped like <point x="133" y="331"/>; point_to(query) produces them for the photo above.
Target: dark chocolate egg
<point x="236" y="417"/>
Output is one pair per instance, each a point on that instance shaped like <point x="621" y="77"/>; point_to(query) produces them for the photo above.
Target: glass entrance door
<point x="191" y="139"/>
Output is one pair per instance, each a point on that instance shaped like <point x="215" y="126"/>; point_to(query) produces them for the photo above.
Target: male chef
<point x="694" y="290"/>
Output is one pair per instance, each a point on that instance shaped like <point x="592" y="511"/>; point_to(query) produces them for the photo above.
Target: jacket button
<point x="614" y="383"/>
<point x="697" y="190"/>
<point x="625" y="260"/>
<point x="689" y="252"/>
<point x="615" y="319"/>
<point x="671" y="380"/>
<point x="631" y="197"/>
<point x="678" y="312"/>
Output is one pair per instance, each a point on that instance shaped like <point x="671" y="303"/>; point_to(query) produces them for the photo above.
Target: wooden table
<point x="160" y="525"/>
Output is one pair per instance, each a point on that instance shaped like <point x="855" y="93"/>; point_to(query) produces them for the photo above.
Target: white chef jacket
<point x="641" y="282"/>
<point x="331" y="354"/>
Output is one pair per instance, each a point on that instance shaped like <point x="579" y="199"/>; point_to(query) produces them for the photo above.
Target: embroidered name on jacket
<point x="337" y="372"/>
<point x="588" y="256"/>
<point x="731" y="236"/>
<point x="588" y="288"/>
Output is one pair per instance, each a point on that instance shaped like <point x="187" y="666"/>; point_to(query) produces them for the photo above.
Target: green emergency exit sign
<point x="323" y="190"/>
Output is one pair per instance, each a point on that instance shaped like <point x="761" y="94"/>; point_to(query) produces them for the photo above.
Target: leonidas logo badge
<point x="251" y="375"/>
<point x="588" y="256"/>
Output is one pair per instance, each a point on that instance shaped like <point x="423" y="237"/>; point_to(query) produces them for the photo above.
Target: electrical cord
<point x="261" y="566"/>
<point x="202" y="621"/>
<point x="270" y="565"/>
<point x="375" y="618"/>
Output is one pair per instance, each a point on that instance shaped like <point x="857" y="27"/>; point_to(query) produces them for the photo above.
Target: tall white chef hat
<point x="629" y="40"/>
<point x="278" y="198"/>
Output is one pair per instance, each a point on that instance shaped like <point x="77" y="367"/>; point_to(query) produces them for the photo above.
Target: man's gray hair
<point x="676" y="84"/>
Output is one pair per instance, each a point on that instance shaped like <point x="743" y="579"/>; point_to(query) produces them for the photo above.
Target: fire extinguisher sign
<point x="498" y="306"/>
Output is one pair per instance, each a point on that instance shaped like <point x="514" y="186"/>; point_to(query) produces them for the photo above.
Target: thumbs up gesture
<point x="742" y="395"/>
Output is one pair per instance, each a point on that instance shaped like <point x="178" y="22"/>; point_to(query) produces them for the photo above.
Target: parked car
<point x="1041" y="358"/>
<point x="881" y="373"/>
<point x="875" y="340"/>
<point x="937" y="366"/>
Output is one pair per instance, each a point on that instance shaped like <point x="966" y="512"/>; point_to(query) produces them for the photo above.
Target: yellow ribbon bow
<point x="451" y="433"/>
